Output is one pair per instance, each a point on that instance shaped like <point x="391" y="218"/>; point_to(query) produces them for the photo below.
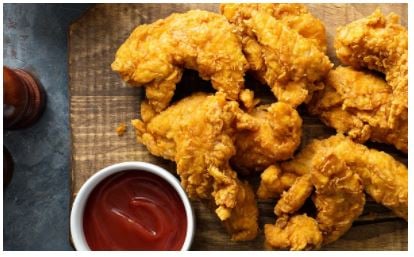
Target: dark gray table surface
<point x="36" y="202"/>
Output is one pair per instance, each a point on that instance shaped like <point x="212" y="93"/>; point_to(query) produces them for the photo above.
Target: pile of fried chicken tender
<point x="212" y="136"/>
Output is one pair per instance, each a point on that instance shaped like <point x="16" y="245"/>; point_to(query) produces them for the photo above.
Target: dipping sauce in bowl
<point x="132" y="206"/>
<point x="134" y="210"/>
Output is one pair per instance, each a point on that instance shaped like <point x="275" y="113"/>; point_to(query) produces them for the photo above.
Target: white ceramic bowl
<point x="76" y="216"/>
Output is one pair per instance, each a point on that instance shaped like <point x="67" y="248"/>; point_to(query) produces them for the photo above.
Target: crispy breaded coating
<point x="380" y="43"/>
<point x="242" y="224"/>
<point x="291" y="64"/>
<point x="274" y="135"/>
<point x="339" y="170"/>
<point x="298" y="232"/>
<point x="294" y="198"/>
<point x="296" y="16"/>
<point x="359" y="103"/>
<point x="339" y="196"/>
<point x="121" y="129"/>
<point x="155" y="54"/>
<point x="164" y="136"/>
<point x="383" y="178"/>
<point x="302" y="162"/>
<point x="198" y="133"/>
<point x="273" y="182"/>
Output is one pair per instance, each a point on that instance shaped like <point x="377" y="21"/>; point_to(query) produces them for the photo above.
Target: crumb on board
<point x="120" y="130"/>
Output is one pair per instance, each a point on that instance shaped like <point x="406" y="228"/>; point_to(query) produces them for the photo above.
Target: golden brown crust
<point x="155" y="54"/>
<point x="273" y="182"/>
<point x="296" y="16"/>
<point x="198" y="134"/>
<point x="274" y="39"/>
<point x="277" y="134"/>
<point x="339" y="196"/>
<point x="298" y="232"/>
<point x="294" y="198"/>
<point x="379" y="43"/>
<point x="383" y="178"/>
<point x="121" y="129"/>
<point x="242" y="223"/>
<point x="339" y="170"/>
<point x="359" y="103"/>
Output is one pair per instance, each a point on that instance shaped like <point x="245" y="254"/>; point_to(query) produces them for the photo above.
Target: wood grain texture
<point x="100" y="101"/>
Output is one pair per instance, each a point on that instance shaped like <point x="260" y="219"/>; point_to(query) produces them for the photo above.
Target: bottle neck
<point x="23" y="99"/>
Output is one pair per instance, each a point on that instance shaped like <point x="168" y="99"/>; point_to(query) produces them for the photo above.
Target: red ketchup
<point x="134" y="210"/>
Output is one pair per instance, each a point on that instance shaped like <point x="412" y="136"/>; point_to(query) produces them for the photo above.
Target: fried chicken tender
<point x="281" y="50"/>
<point x="155" y="54"/>
<point x="273" y="134"/>
<point x="383" y="178"/>
<point x="293" y="199"/>
<point x="302" y="162"/>
<point x="358" y="104"/>
<point x="296" y="16"/>
<point x="240" y="224"/>
<point x="379" y="43"/>
<point x="280" y="177"/>
<point x="273" y="182"/>
<point x="339" y="170"/>
<point x="299" y="232"/>
<point x="339" y="196"/>
<point x="198" y="134"/>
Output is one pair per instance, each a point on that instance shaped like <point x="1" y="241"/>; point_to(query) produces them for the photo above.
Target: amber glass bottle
<point x="23" y="101"/>
<point x="7" y="167"/>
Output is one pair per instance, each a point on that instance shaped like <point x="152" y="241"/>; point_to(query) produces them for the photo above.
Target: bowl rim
<point x="78" y="206"/>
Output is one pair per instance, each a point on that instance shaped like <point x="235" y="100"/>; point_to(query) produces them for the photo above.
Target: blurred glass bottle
<point x="23" y="104"/>
<point x="7" y="167"/>
<point x="23" y="100"/>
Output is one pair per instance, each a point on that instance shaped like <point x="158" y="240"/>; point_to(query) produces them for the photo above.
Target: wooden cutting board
<point x="99" y="101"/>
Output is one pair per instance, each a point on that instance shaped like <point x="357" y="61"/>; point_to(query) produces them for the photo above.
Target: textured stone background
<point x="36" y="202"/>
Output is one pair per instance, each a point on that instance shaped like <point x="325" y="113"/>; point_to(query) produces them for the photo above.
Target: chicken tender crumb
<point x="121" y="129"/>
